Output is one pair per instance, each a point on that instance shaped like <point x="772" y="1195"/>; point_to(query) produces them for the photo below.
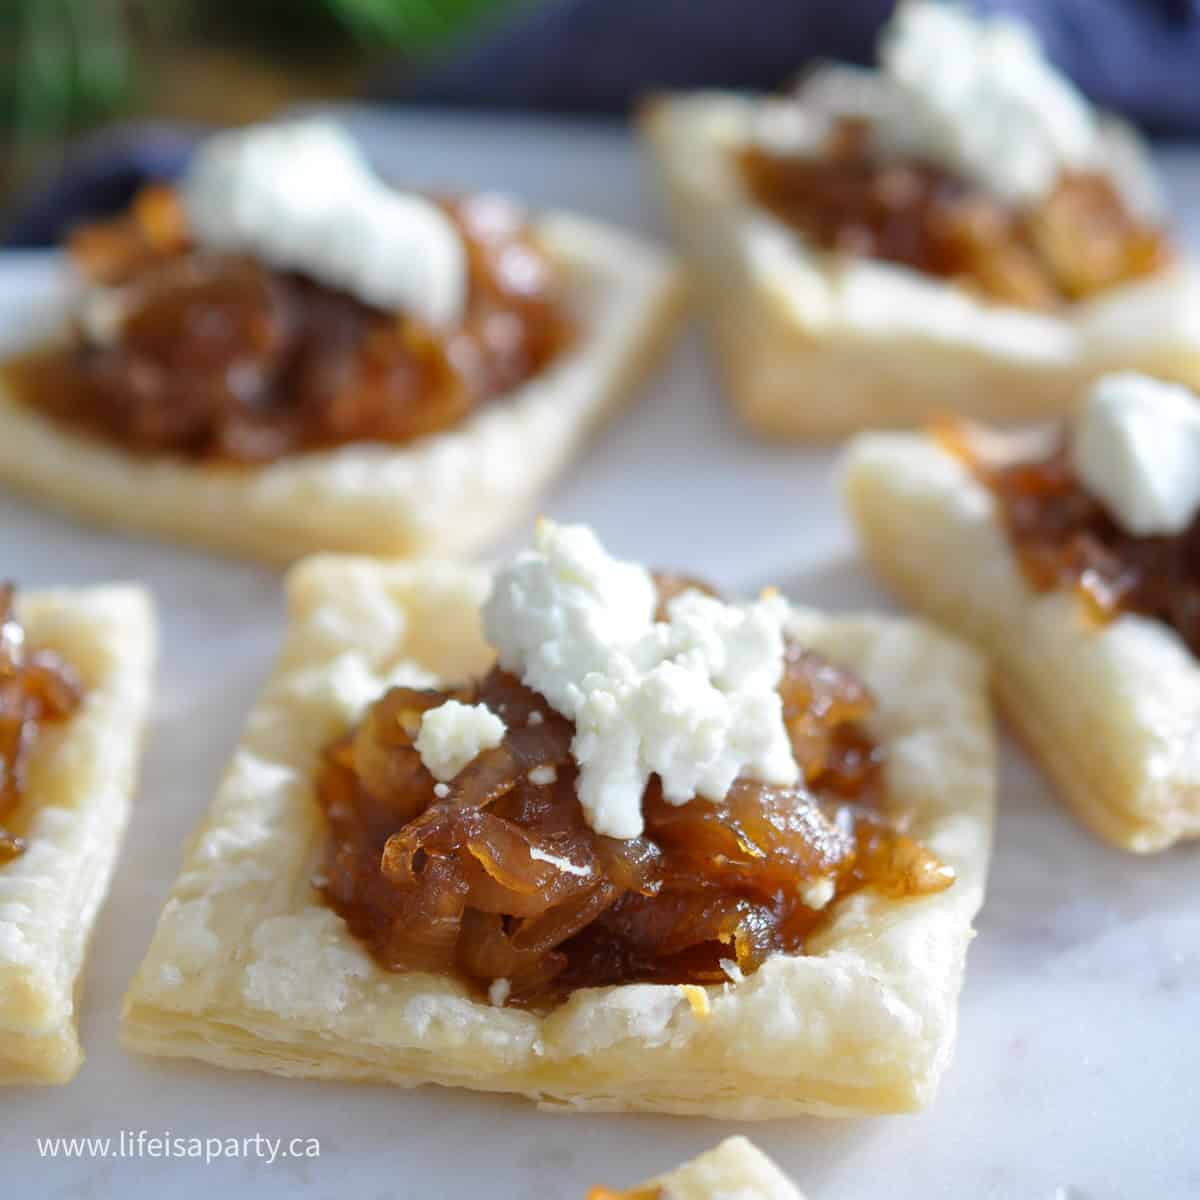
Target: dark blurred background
<point x="69" y="68"/>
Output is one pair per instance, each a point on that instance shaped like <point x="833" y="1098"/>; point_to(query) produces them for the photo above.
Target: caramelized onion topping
<point x="1065" y="538"/>
<point x="36" y="687"/>
<point x="502" y="878"/>
<point x="224" y="359"/>
<point x="1078" y="241"/>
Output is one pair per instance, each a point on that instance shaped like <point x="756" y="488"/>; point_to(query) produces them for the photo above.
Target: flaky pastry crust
<point x="447" y="493"/>
<point x="1110" y="710"/>
<point x="814" y="345"/>
<point x="77" y="803"/>
<point x="735" y="1169"/>
<point x="249" y="969"/>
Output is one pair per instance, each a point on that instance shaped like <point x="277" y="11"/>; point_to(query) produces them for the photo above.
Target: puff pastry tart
<point x="282" y="354"/>
<point x="1068" y="555"/>
<point x="734" y="1170"/>
<point x="646" y="850"/>
<point x="74" y="686"/>
<point x="955" y="231"/>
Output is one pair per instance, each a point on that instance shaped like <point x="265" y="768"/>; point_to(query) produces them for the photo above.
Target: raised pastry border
<point x="813" y="345"/>
<point x="1111" y="711"/>
<point x="447" y="493"/>
<point x="733" y="1168"/>
<point x="78" y="801"/>
<point x="248" y="969"/>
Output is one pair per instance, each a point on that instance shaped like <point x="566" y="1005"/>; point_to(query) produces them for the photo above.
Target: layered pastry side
<point x="955" y="230"/>
<point x="284" y="353"/>
<point x="587" y="834"/>
<point x="735" y="1169"/>
<point x="1069" y="553"/>
<point x="74" y="688"/>
<point x="37" y="688"/>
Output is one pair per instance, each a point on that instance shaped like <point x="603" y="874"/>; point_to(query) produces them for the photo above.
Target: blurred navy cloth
<point x="1137" y="57"/>
<point x="598" y="56"/>
<point x="100" y="179"/>
<point x="1141" y="57"/>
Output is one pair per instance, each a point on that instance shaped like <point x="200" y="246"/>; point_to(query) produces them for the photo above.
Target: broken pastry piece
<point x="1068" y="554"/>
<point x="955" y="231"/>
<point x="735" y="1168"/>
<point x="588" y="835"/>
<point x="283" y="354"/>
<point x="74" y="688"/>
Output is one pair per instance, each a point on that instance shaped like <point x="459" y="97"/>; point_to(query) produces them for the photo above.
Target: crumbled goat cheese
<point x="1136" y="448"/>
<point x="103" y="310"/>
<point x="817" y="893"/>
<point x="692" y="699"/>
<point x="499" y="992"/>
<point x="978" y="97"/>
<point x="542" y="776"/>
<point x="301" y="197"/>
<point x="441" y="790"/>
<point x="454" y="734"/>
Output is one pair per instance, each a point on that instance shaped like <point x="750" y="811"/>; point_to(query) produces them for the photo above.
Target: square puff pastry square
<point x="814" y="345"/>
<point x="1111" y="711"/>
<point x="248" y="968"/>
<point x="450" y="492"/>
<point x="734" y="1170"/>
<point x="74" y="812"/>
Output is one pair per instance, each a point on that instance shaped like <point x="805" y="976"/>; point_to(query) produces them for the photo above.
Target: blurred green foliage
<point x="65" y="64"/>
<point x="413" y="25"/>
<point x="410" y="26"/>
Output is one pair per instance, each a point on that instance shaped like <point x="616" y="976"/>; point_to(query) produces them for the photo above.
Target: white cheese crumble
<point x="543" y="776"/>
<point x="499" y="992"/>
<point x="817" y="893"/>
<point x="453" y="734"/>
<point x="1136" y="448"/>
<point x="441" y="790"/>
<point x="692" y="699"/>
<point x="301" y="197"/>
<point x="979" y="98"/>
<point x="102" y="312"/>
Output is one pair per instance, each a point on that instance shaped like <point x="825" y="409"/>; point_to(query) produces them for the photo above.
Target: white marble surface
<point x="1079" y="1058"/>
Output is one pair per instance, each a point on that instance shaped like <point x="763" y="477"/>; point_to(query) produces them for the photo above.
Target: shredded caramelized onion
<point x="1065" y="538"/>
<point x="36" y="687"/>
<point x="1076" y="242"/>
<point x="501" y="877"/>
<point x="222" y="358"/>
